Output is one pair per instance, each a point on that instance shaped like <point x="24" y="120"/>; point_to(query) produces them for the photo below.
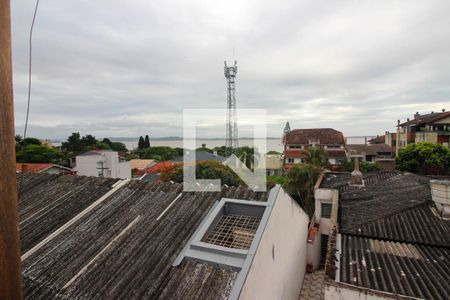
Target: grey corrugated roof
<point x="125" y="247"/>
<point x="418" y="224"/>
<point x="48" y="201"/>
<point x="381" y="199"/>
<point x="405" y="269"/>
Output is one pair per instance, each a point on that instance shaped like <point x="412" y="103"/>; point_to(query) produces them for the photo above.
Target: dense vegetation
<point x="31" y="150"/>
<point x="204" y="170"/>
<point x="424" y="158"/>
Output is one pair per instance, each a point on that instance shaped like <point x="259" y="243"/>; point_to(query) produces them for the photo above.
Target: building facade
<point x="433" y="128"/>
<point x="297" y="142"/>
<point x="102" y="163"/>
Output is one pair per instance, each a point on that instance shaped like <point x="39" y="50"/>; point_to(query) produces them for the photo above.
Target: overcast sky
<point x="127" y="68"/>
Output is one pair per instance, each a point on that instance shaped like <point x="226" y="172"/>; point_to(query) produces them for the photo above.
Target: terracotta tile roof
<point x="159" y="167"/>
<point x="31" y="168"/>
<point x="377" y="140"/>
<point x="141" y="164"/>
<point x="428" y="118"/>
<point x="373" y="149"/>
<point x="336" y="153"/>
<point x="295" y="153"/>
<point x="325" y="136"/>
<point x="36" y="168"/>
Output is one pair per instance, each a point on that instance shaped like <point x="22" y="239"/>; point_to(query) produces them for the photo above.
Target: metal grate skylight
<point x="234" y="231"/>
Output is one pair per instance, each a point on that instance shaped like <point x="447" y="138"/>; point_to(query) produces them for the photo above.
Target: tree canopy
<point x="424" y="158"/>
<point x="38" y="154"/>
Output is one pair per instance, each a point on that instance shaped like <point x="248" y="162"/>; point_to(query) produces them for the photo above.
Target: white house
<point x="102" y="163"/>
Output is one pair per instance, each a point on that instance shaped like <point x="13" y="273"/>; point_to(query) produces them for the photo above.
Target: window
<point x="295" y="147"/>
<point x="290" y="160"/>
<point x="326" y="210"/>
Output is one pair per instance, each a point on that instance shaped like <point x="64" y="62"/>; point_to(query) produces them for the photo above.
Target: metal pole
<point x="10" y="269"/>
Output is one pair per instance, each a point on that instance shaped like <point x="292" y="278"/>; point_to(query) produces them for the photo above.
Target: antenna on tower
<point x="231" y="142"/>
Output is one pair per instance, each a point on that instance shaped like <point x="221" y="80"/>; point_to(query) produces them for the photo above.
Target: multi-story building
<point x="433" y="128"/>
<point x="297" y="141"/>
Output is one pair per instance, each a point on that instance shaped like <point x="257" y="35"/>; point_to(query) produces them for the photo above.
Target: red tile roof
<point x="336" y="153"/>
<point x="295" y="153"/>
<point x="159" y="167"/>
<point x="377" y="140"/>
<point x="425" y="119"/>
<point x="36" y="168"/>
<point x="325" y="136"/>
<point x="32" y="168"/>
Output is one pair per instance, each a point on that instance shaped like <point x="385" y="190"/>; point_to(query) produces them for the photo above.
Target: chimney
<point x="398" y="123"/>
<point x="356" y="174"/>
<point x="440" y="194"/>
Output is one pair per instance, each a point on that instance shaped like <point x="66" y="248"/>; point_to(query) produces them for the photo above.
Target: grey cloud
<point x="114" y="67"/>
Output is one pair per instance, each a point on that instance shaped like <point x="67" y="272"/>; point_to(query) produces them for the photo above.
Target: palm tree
<point x="316" y="156"/>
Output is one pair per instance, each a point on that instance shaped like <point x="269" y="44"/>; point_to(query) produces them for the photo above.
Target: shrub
<point x="424" y="158"/>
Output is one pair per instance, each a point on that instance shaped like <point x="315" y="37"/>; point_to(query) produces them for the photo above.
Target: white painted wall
<point x="87" y="165"/>
<point x="322" y="195"/>
<point x="279" y="264"/>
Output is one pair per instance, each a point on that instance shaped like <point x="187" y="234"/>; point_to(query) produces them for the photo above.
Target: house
<point x="387" y="238"/>
<point x="44" y="168"/>
<point x="274" y="164"/>
<point x="137" y="239"/>
<point x="297" y="141"/>
<point x="102" y="163"/>
<point x="433" y="128"/>
<point x="370" y="152"/>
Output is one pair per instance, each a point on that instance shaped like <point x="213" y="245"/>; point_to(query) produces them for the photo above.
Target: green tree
<point x="73" y="143"/>
<point x="119" y="147"/>
<point x="38" y="154"/>
<point x="107" y="141"/>
<point x="300" y="181"/>
<point x="31" y="141"/>
<point x="424" y="158"/>
<point x="88" y="141"/>
<point x="141" y="143"/>
<point x="204" y="170"/>
<point x="160" y="153"/>
<point x="317" y="156"/>
<point x="273" y="152"/>
<point x="102" y="146"/>
<point x="146" y="142"/>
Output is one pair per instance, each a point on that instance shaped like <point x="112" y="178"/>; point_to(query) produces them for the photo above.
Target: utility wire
<point x="30" y="60"/>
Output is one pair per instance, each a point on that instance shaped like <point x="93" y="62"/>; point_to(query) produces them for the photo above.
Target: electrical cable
<point x="30" y="60"/>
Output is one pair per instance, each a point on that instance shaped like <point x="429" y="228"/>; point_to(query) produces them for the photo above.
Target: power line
<point x="30" y="60"/>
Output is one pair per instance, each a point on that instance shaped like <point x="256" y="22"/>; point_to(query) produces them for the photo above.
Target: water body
<point x="272" y="143"/>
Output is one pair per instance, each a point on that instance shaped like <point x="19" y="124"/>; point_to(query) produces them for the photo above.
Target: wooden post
<point x="10" y="266"/>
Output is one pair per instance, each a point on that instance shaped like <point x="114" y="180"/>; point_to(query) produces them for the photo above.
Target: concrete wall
<point x="313" y="251"/>
<point x="87" y="165"/>
<point x="430" y="137"/>
<point x="279" y="264"/>
<point x="322" y="195"/>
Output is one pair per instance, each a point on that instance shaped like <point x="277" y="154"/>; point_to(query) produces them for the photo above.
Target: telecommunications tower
<point x="231" y="129"/>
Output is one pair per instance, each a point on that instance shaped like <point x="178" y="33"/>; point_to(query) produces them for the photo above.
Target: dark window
<point x="290" y="160"/>
<point x="323" y="248"/>
<point x="326" y="210"/>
